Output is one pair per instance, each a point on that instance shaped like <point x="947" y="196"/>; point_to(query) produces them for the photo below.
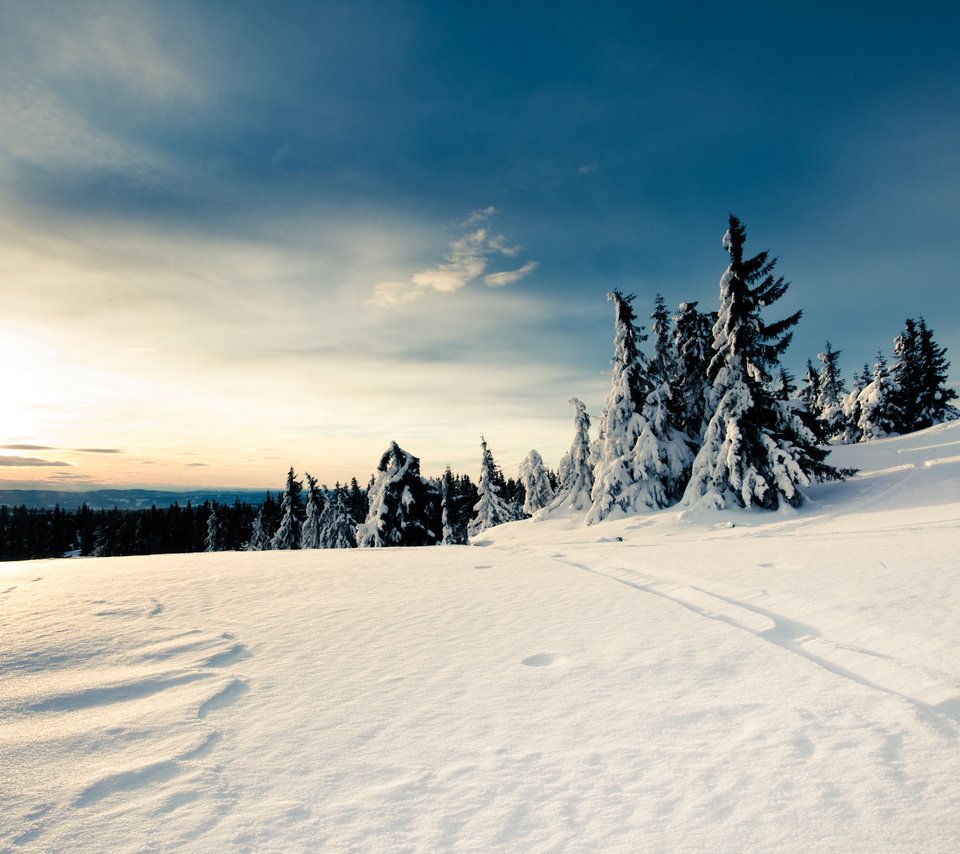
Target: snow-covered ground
<point x="731" y="682"/>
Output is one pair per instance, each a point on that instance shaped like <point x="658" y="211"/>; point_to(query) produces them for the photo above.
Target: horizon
<point x="237" y="240"/>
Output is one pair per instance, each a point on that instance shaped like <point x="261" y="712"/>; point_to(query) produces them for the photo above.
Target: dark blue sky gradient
<point x="612" y="138"/>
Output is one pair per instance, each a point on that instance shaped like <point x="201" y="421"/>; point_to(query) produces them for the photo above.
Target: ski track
<point x="932" y="691"/>
<point x="107" y="696"/>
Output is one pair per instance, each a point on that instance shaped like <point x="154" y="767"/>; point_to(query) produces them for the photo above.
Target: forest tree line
<point x="705" y="416"/>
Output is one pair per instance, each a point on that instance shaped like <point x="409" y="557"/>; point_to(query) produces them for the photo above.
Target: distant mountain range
<point x="124" y="499"/>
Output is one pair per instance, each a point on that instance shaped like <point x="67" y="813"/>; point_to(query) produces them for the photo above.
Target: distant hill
<point x="124" y="499"/>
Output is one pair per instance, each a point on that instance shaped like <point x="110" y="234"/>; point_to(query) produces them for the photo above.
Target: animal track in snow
<point x="928" y="690"/>
<point x="543" y="659"/>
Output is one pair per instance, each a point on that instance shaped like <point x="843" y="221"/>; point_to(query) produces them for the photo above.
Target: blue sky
<point x="239" y="236"/>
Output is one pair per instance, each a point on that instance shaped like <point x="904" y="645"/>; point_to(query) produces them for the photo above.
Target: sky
<point x="237" y="237"/>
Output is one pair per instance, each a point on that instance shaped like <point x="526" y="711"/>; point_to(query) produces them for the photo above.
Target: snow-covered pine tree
<point x="310" y="533"/>
<point x="447" y="492"/>
<point x="693" y="336"/>
<point x="756" y="450"/>
<point x="663" y="363"/>
<point x="614" y="487"/>
<point x="490" y="510"/>
<point x="288" y="534"/>
<point x="810" y="391"/>
<point x="576" y="471"/>
<point x="336" y="527"/>
<point x="259" y="538"/>
<point x="908" y="372"/>
<point x="213" y="542"/>
<point x="536" y="483"/>
<point x="934" y="398"/>
<point x="404" y="508"/>
<point x="877" y="403"/>
<point x="662" y="455"/>
<point x="785" y="388"/>
<point x="852" y="432"/>
<point x="828" y="405"/>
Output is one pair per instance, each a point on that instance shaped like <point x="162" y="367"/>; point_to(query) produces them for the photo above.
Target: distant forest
<point x="705" y="415"/>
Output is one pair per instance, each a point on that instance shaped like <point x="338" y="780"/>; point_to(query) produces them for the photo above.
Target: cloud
<point x="29" y="461"/>
<point x="27" y="448"/>
<point x="197" y="465"/>
<point x="50" y="448"/>
<point x="589" y="168"/>
<point x="478" y="216"/>
<point x="499" y="280"/>
<point x="466" y="261"/>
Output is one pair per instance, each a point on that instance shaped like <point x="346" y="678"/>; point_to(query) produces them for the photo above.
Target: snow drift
<point x="682" y="680"/>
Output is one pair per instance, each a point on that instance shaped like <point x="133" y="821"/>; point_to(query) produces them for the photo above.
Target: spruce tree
<point x="877" y="404"/>
<point x="288" y="534"/>
<point x="614" y="487"/>
<point x="810" y="391"/>
<point x="756" y="449"/>
<point x="490" y="510"/>
<point x="692" y="343"/>
<point x="662" y="366"/>
<point x="259" y="539"/>
<point x="576" y="471"/>
<point x="404" y="508"/>
<point x="336" y="527"/>
<point x="536" y="483"/>
<point x="310" y="533"/>
<point x="852" y="431"/>
<point x="828" y="404"/>
<point x="934" y="397"/>
<point x="213" y="541"/>
<point x="447" y="516"/>
<point x="661" y="456"/>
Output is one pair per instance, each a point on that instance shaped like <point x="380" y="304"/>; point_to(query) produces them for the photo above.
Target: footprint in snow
<point x="543" y="659"/>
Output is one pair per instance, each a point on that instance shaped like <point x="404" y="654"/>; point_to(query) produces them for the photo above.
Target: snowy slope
<point x="731" y="682"/>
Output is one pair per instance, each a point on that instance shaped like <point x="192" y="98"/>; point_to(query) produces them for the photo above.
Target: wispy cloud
<point x="29" y="462"/>
<point x="589" y="168"/>
<point x="197" y="465"/>
<point x="466" y="261"/>
<point x="50" y="448"/>
<point x="499" y="280"/>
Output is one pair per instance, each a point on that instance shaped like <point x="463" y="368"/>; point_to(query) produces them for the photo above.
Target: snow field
<point x="791" y="683"/>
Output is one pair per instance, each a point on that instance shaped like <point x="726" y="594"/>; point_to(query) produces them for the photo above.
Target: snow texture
<point x="676" y="681"/>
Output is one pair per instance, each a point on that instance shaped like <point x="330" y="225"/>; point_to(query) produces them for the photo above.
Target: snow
<point x="682" y="680"/>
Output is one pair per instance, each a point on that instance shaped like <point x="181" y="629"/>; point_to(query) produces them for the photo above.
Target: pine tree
<point x="288" y="534"/>
<point x="536" y="483"/>
<point x="852" y="431"/>
<point x="663" y="365"/>
<point x="213" y="541"/>
<point x="259" y="539"/>
<point x="447" y="492"/>
<point x="404" y="508"/>
<point x="310" y="533"/>
<point x="878" y="404"/>
<point x="756" y="449"/>
<point x="614" y="487"/>
<point x="490" y="510"/>
<point x="828" y="404"/>
<point x="576" y="472"/>
<point x="810" y="391"/>
<point x="785" y="388"/>
<point x="934" y="397"/>
<point x="661" y="456"/>
<point x="337" y="529"/>
<point x="693" y="338"/>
